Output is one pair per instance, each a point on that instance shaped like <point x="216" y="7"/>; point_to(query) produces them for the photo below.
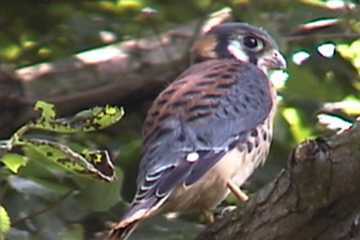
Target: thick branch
<point x="117" y="72"/>
<point x="108" y="74"/>
<point x="123" y="73"/>
<point x="317" y="197"/>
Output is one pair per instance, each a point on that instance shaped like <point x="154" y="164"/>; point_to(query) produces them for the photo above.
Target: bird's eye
<point x="253" y="43"/>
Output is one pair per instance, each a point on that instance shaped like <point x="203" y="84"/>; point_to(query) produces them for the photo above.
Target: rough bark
<point x="317" y="197"/>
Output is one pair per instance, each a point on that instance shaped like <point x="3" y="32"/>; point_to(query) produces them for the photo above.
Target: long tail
<point x="136" y="214"/>
<point x="122" y="233"/>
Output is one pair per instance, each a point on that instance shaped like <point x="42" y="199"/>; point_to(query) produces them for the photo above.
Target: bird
<point x="207" y="132"/>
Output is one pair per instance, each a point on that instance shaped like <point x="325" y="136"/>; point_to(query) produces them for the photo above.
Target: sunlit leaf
<point x="300" y="57"/>
<point x="88" y="162"/>
<point x="350" y="105"/>
<point x="327" y="49"/>
<point x="97" y="118"/>
<point x="351" y="51"/>
<point x="47" y="110"/>
<point x="101" y="161"/>
<point x="86" y="121"/>
<point x="98" y="164"/>
<point x="44" y="52"/>
<point x="28" y="41"/>
<point x="340" y="4"/>
<point x="5" y="223"/>
<point x="10" y="52"/>
<point x="293" y="118"/>
<point x="331" y="4"/>
<point x="14" y="161"/>
<point x="332" y="122"/>
<point x="130" y="4"/>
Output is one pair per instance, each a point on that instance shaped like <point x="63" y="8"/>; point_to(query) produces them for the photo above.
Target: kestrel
<point x="208" y="131"/>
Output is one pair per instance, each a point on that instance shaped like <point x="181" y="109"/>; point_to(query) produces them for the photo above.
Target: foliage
<point x="4" y="223"/>
<point x="319" y="93"/>
<point x="87" y="161"/>
<point x="84" y="162"/>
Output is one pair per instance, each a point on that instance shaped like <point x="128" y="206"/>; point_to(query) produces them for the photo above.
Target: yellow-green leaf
<point x="299" y="131"/>
<point x="85" y="121"/>
<point x="4" y="223"/>
<point x="47" y="110"/>
<point x="14" y="161"/>
<point x="96" y="163"/>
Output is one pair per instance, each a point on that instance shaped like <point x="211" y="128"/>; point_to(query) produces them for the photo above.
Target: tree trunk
<point x="317" y="197"/>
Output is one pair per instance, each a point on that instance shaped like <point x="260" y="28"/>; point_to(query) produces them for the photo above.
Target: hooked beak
<point x="274" y="60"/>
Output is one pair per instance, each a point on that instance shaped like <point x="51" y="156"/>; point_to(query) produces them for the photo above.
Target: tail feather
<point x="136" y="214"/>
<point x="122" y="233"/>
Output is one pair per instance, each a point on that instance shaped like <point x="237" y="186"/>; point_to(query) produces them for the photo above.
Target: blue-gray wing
<point x="193" y="123"/>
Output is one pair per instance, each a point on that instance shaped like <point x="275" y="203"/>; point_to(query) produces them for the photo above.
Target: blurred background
<point x="79" y="54"/>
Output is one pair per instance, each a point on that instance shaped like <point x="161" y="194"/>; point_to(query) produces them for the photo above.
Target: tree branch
<point x="317" y="197"/>
<point x="116" y="73"/>
<point x="109" y="74"/>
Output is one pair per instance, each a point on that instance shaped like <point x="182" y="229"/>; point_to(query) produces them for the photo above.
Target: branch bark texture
<point x="317" y="197"/>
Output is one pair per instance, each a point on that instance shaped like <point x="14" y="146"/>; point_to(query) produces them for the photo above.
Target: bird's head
<point x="240" y="41"/>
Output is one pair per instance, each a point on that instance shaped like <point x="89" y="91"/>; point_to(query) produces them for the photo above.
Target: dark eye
<point x="253" y="43"/>
<point x="250" y="42"/>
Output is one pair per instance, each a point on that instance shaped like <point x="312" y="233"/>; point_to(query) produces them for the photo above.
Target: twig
<point x="44" y="210"/>
<point x="298" y="38"/>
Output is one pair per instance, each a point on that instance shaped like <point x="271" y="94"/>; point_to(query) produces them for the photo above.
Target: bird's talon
<point x="209" y="216"/>
<point x="222" y="211"/>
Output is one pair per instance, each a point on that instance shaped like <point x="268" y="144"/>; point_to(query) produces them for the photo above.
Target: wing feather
<point x="209" y="119"/>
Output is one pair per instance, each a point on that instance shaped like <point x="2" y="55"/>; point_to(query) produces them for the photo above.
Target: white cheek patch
<point x="261" y="64"/>
<point x="236" y="50"/>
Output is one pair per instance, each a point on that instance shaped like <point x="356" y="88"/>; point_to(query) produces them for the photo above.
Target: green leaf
<point x="47" y="110"/>
<point x="14" y="161"/>
<point x="350" y="105"/>
<point x="96" y="163"/>
<point x="101" y="161"/>
<point x="297" y="127"/>
<point x="94" y="119"/>
<point x="100" y="196"/>
<point x="5" y="223"/>
<point x="87" y="162"/>
<point x="86" y="121"/>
